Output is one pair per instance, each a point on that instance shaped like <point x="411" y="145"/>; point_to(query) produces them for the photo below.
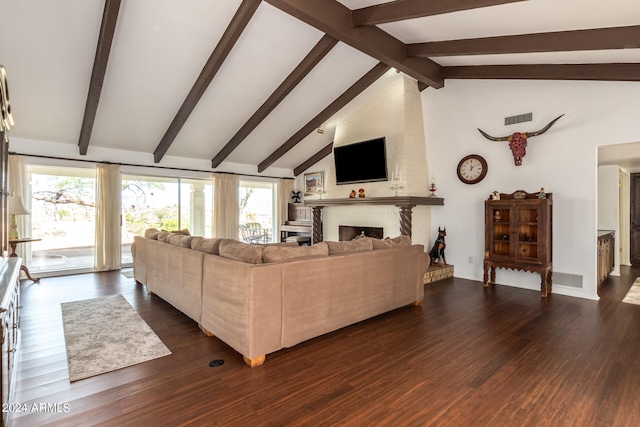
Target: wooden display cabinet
<point x="518" y="236"/>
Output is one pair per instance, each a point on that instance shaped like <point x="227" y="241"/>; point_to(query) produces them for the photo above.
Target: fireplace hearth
<point x="350" y="232"/>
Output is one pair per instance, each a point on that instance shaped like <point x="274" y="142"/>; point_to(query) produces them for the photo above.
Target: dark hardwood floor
<point x="469" y="356"/>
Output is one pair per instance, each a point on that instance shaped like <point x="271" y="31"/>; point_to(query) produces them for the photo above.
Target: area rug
<point x="633" y="296"/>
<point x="106" y="334"/>
<point x="127" y="273"/>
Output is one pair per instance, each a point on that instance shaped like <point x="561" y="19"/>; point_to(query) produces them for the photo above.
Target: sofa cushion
<point x="205" y="244"/>
<point x="278" y="253"/>
<point x="151" y="233"/>
<point x="241" y="251"/>
<point x="389" y="243"/>
<point x="163" y="236"/>
<point x="357" y="245"/>
<point x="180" y="240"/>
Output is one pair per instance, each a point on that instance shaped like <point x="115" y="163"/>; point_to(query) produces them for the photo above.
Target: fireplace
<point x="349" y="232"/>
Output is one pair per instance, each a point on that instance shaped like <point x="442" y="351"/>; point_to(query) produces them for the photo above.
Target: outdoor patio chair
<point x="248" y="235"/>
<point x="257" y="230"/>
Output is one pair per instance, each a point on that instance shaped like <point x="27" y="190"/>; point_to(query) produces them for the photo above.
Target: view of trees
<point x="61" y="206"/>
<point x="64" y="197"/>
<point x="139" y="211"/>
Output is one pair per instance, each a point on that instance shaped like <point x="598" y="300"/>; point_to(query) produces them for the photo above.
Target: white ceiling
<point x="160" y="47"/>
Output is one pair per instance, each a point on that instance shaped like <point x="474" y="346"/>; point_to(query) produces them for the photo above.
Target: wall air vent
<point x="518" y="119"/>
<point x="565" y="279"/>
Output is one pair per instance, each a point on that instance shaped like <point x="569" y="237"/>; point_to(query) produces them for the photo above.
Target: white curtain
<point x="284" y="197"/>
<point x="18" y="187"/>
<point x="108" y="213"/>
<point x="226" y="205"/>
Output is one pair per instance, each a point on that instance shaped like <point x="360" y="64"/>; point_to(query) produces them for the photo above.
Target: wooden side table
<point x="13" y="244"/>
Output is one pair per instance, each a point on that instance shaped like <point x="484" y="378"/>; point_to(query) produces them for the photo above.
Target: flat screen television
<point x="364" y="161"/>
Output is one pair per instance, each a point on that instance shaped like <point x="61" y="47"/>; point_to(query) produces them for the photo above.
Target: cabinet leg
<point x="545" y="282"/>
<point x="493" y="274"/>
<point x="549" y="281"/>
<point x="485" y="277"/>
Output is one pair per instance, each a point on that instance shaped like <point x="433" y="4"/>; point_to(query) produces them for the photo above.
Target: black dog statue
<point x="437" y="252"/>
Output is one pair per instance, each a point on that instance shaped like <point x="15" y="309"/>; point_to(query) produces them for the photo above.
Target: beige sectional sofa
<point x="261" y="298"/>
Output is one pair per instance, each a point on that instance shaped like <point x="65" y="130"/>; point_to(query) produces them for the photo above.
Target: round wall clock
<point x="472" y="169"/>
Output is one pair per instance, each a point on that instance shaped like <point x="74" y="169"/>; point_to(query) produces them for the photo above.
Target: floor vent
<point x="564" y="279"/>
<point x="518" y="119"/>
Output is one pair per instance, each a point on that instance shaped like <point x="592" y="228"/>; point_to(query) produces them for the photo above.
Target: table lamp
<point x="16" y="207"/>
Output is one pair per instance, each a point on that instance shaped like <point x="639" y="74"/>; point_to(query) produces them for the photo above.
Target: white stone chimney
<point x="396" y="114"/>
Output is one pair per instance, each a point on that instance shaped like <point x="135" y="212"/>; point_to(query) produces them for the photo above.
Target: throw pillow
<point x="358" y="245"/>
<point x="390" y="243"/>
<point x="204" y="244"/>
<point x="288" y="253"/>
<point x="241" y="251"/>
<point x="151" y="233"/>
<point x="184" y="231"/>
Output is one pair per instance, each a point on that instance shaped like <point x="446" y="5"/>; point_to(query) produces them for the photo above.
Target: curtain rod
<point x="142" y="166"/>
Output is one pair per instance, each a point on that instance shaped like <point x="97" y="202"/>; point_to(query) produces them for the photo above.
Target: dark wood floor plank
<point x="468" y="355"/>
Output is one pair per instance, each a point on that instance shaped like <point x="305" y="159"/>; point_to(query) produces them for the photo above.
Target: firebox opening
<point x="349" y="232"/>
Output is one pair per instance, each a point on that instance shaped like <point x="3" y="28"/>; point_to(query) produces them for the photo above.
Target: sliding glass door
<point x="63" y="213"/>
<point x="165" y="203"/>
<point x="63" y="217"/>
<point x="257" y="214"/>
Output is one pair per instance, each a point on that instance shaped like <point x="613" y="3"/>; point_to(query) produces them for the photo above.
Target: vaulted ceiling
<point x="249" y="81"/>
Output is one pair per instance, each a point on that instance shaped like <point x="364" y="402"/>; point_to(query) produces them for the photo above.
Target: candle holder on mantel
<point x="396" y="183"/>
<point x="432" y="188"/>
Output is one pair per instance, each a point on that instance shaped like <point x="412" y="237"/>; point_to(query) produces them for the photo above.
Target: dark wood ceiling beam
<point x="229" y="38"/>
<point x="335" y="19"/>
<point x="364" y="82"/>
<point x="312" y="59"/>
<point x="401" y="10"/>
<point x="324" y="152"/>
<point x="601" y="72"/>
<point x="593" y="39"/>
<point x="103" y="49"/>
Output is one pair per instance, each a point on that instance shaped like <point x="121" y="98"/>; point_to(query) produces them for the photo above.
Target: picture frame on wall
<point x="313" y="183"/>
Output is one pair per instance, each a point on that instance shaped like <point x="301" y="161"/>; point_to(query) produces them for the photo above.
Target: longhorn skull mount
<point x="518" y="140"/>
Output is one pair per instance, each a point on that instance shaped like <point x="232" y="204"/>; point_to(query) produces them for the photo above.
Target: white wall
<point x="563" y="161"/>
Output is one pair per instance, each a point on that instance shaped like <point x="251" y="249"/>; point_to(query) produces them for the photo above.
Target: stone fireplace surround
<point x="405" y="204"/>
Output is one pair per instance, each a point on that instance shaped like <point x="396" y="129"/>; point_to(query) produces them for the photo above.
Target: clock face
<point x="472" y="169"/>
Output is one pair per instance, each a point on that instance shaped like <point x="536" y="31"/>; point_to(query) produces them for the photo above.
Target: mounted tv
<point x="364" y="161"/>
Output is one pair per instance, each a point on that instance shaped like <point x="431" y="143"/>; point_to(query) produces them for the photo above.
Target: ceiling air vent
<point x="518" y="119"/>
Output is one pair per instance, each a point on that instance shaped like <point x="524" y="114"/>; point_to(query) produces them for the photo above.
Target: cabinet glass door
<point x="501" y="232"/>
<point x="527" y="232"/>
